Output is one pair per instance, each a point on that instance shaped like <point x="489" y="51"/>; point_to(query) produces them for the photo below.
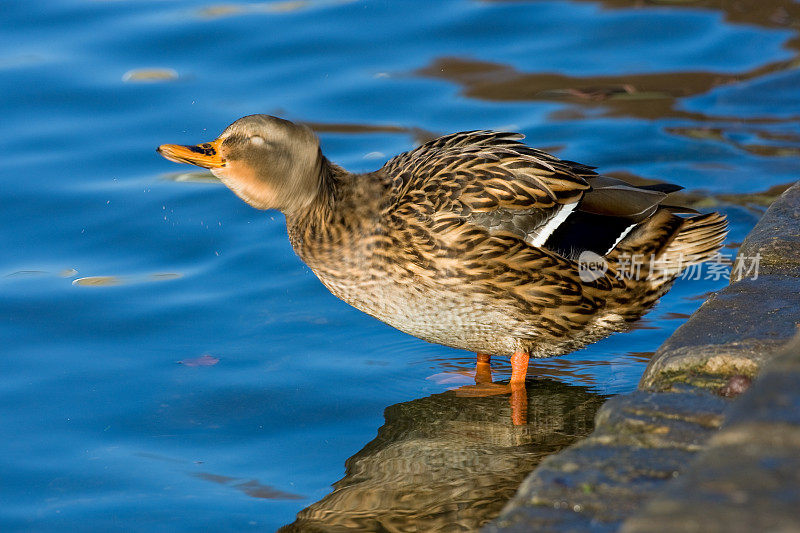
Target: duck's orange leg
<point x="483" y="368"/>
<point x="484" y="386"/>
<point x="483" y="380"/>
<point x="519" y="396"/>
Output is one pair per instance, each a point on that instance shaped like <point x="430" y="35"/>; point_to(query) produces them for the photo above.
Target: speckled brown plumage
<point x="470" y="240"/>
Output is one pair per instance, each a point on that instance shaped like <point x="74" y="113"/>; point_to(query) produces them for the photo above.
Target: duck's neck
<point x="329" y="230"/>
<point x="320" y="209"/>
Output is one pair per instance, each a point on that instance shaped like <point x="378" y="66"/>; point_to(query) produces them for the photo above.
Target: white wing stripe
<point x="622" y="236"/>
<point x="553" y="224"/>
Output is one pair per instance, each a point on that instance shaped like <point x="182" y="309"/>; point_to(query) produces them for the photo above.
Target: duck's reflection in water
<point x="449" y="463"/>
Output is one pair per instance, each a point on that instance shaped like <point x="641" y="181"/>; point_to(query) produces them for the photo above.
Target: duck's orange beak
<point x="204" y="155"/>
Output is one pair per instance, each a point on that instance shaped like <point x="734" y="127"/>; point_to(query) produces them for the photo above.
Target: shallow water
<point x="169" y="364"/>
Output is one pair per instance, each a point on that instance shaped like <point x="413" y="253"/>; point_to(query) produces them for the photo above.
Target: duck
<point x="472" y="240"/>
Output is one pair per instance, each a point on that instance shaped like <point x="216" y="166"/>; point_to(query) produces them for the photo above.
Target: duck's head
<point x="270" y="163"/>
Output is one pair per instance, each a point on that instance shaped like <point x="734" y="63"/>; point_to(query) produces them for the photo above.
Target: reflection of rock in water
<point x="447" y="463"/>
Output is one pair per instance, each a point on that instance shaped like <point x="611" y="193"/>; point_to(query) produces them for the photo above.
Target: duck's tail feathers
<point x="666" y="244"/>
<point x="660" y="250"/>
<point x="698" y="240"/>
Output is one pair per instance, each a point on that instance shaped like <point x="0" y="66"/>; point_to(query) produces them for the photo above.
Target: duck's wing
<point x="493" y="182"/>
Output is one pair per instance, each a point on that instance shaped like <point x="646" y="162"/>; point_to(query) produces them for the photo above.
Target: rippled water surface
<point x="170" y="365"/>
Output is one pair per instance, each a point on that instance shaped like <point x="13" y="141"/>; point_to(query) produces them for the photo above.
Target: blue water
<point x="170" y="365"/>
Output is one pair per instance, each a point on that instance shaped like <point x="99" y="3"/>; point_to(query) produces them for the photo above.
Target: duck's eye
<point x="258" y="141"/>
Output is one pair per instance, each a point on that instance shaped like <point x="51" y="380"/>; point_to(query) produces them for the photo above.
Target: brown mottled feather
<point x="480" y="171"/>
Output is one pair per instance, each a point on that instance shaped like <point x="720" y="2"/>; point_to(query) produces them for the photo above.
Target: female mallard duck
<point x="471" y="240"/>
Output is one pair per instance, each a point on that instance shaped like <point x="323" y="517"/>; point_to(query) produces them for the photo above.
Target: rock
<point x="776" y="237"/>
<point x="733" y="333"/>
<point x="640" y="441"/>
<point x="748" y="477"/>
<point x="736" y="330"/>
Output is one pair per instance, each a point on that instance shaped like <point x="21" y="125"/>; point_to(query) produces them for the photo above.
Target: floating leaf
<point x="203" y="360"/>
<point x="227" y="10"/>
<point x="97" y="281"/>
<point x="150" y="74"/>
<point x="220" y="11"/>
<point x="109" y="281"/>
<point x="286" y="7"/>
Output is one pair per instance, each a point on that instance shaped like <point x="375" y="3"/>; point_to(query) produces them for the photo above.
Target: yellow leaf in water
<point x="98" y="281"/>
<point x="227" y="10"/>
<point x="150" y="74"/>
<point x="223" y="10"/>
<point x="285" y="7"/>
